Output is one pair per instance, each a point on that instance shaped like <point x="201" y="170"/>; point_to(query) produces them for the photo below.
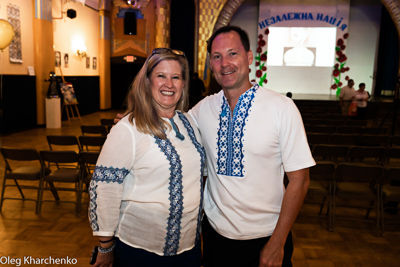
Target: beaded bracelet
<point x="106" y="250"/>
<point x="107" y="241"/>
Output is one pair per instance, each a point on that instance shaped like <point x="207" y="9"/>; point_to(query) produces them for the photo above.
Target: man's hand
<point x="271" y="254"/>
<point x="118" y="118"/>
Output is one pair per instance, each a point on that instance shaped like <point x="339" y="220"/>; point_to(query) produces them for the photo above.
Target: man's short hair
<point x="361" y="84"/>
<point x="244" y="37"/>
<point x="351" y="80"/>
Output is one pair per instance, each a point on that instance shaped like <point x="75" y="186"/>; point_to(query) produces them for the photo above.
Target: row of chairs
<point x="80" y="143"/>
<point x="319" y="109"/>
<point x="354" y="185"/>
<point x="347" y="129"/>
<point x="101" y="130"/>
<point x="107" y="122"/>
<point x="370" y="155"/>
<point x="343" y="121"/>
<point x="31" y="168"/>
<point x="353" y="139"/>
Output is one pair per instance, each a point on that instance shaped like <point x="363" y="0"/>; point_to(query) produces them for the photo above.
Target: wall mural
<point x="13" y="16"/>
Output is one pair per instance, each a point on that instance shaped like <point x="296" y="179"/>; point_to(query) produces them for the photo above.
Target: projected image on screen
<point x="300" y="46"/>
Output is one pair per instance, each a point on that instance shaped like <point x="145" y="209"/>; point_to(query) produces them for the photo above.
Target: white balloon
<point x="6" y="34"/>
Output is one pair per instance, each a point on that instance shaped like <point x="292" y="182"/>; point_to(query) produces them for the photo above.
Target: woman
<point x="146" y="190"/>
<point x="361" y="97"/>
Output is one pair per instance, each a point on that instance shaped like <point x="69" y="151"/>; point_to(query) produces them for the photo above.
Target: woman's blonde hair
<point x="140" y="101"/>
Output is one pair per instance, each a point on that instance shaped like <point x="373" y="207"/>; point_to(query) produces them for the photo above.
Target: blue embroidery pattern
<point x="109" y="174"/>
<point x="200" y="149"/>
<point x="230" y="134"/>
<point x="93" y="206"/>
<point x="102" y="174"/>
<point x="175" y="197"/>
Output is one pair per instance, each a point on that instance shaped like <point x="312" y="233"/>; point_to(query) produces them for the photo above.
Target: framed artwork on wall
<point x="94" y="64"/>
<point x="15" y="48"/>
<point x="58" y="59"/>
<point x="88" y="62"/>
<point x="66" y="60"/>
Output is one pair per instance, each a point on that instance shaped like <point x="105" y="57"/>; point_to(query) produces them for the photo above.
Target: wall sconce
<point x="81" y="53"/>
<point x="78" y="45"/>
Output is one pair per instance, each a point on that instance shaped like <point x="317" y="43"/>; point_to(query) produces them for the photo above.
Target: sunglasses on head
<point x="163" y="50"/>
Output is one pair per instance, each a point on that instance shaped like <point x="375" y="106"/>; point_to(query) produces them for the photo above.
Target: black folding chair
<point x="357" y="186"/>
<point x="334" y="153"/>
<point x="344" y="139"/>
<point x="374" y="140"/>
<point x="88" y="160"/>
<point x="68" y="171"/>
<point x="321" y="186"/>
<point x="94" y="130"/>
<point x="63" y="142"/>
<point x="390" y="194"/>
<point x="91" y="143"/>
<point x="366" y="154"/>
<point x="318" y="138"/>
<point x="22" y="165"/>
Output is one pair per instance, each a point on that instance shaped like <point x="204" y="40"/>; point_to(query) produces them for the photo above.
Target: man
<point x="252" y="136"/>
<point x="346" y="96"/>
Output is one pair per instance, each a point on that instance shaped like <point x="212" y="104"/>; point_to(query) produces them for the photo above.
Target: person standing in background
<point x="346" y="96"/>
<point x="361" y="97"/>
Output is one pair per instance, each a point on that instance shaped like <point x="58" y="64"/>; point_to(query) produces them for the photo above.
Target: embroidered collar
<point x="249" y="94"/>
<point x="231" y="134"/>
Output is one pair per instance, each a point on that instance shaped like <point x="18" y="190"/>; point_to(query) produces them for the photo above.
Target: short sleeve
<point x="296" y="154"/>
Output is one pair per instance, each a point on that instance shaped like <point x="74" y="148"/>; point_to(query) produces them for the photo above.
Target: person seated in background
<point x="361" y="97"/>
<point x="346" y="96"/>
<point x="146" y="190"/>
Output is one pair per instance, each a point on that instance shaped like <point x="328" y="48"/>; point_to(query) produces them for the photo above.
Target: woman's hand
<point x="104" y="259"/>
<point x="105" y="252"/>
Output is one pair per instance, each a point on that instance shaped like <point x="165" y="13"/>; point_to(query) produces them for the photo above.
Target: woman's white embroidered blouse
<point x="148" y="191"/>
